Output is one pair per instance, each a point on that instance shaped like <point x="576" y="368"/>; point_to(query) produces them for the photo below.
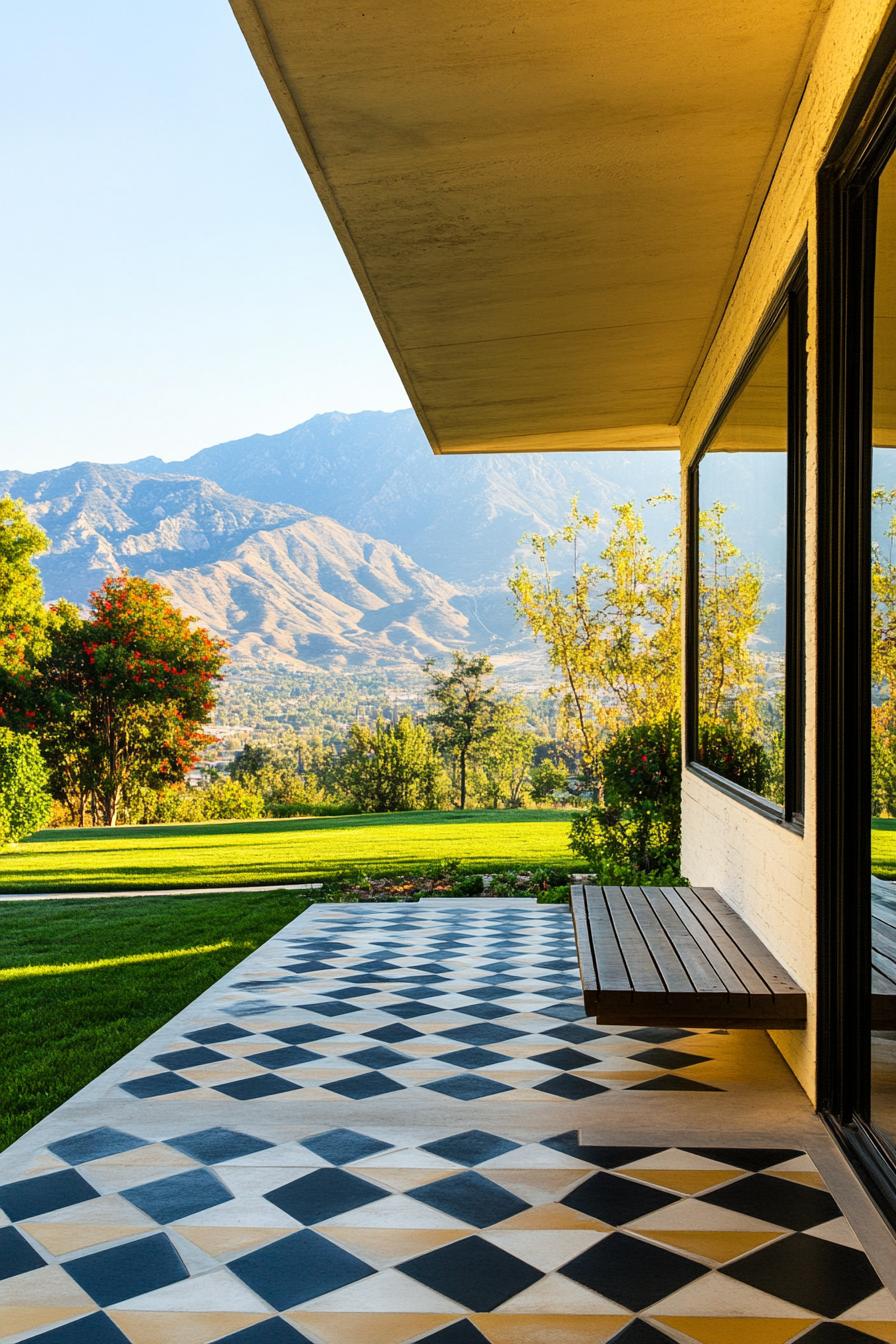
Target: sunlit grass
<point x="70" y="967"/>
<point x="147" y="960"/>
<point x="883" y="847"/>
<point x="263" y="852"/>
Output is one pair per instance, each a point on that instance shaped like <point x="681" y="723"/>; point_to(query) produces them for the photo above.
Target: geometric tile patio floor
<point x="386" y="1127"/>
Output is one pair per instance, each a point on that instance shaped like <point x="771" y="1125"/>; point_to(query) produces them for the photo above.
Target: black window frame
<point x="847" y="239"/>
<point x="790" y="306"/>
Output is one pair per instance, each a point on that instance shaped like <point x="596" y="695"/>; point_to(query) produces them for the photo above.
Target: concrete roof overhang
<point x="545" y="205"/>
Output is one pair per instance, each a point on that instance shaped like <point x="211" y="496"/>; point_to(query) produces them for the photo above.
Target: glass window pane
<point x="742" y="582"/>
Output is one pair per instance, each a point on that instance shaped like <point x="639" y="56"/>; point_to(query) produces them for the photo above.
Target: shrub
<point x="634" y="833"/>
<point x="738" y="755"/>
<point x="25" y="802"/>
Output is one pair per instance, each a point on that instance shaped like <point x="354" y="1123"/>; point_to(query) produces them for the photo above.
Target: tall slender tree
<point x="462" y="709"/>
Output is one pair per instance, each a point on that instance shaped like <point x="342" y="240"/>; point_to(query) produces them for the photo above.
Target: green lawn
<point x="883" y="847"/>
<point x="63" y="1022"/>
<point x="262" y="852"/>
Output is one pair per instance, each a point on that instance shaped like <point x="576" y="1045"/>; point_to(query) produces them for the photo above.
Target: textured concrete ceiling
<point x="545" y="204"/>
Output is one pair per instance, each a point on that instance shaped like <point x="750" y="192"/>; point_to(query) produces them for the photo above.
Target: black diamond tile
<point x="575" y="1034"/>
<point x="157" y="1085"/>
<point x="640" y="1332"/>
<point x="569" y="1087"/>
<point x="463" y="1332"/>
<point x="405" y="1010"/>
<point x="43" y="1194"/>
<point x="572" y="1012"/>
<point x="217" y="1145"/>
<point x="378" y="1057"/>
<point x="93" y="1144"/>
<point x="329" y="1008"/>
<point x="482" y="1033"/>
<point x="817" y="1275"/>
<point x="598" y="1155"/>
<point x="364" y="1085"/>
<point x="179" y="1196"/>
<point x="342" y="1146"/>
<point x="17" y="1256"/>
<point x="302" y="1034"/>
<point x="272" y="1331"/>
<point x="616" y="1200"/>
<point x="487" y="1011"/>
<point x="414" y="992"/>
<point x="671" y="1082"/>
<point x="660" y="1058"/>
<point x="631" y="1272"/>
<point x="834" y="1332"/>
<point x="471" y="1147"/>
<point x="95" y="1329"/>
<point x="467" y="1087"/>
<point x="751" y="1159"/>
<point x="283" y="1057"/>
<point x="248" y="1089"/>
<point x="473" y="1272"/>
<point x="497" y="992"/>
<point x="658" y="1035"/>
<point x="470" y="1197"/>
<point x="190" y="1058"/>
<point x="324" y="1193"/>
<point x="564" y="1059"/>
<point x="776" y="1201"/>
<point x="356" y="992"/>
<point x="125" y="1271"/>
<point x="297" y="1268"/>
<point x="395" y="1032"/>
<point x="473" y="1058"/>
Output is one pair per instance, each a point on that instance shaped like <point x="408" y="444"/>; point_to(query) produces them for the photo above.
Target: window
<point x="745" y="638"/>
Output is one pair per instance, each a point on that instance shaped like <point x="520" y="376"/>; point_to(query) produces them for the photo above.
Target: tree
<point x="611" y="631"/>
<point x="22" y="613"/>
<point x="462" y="709"/>
<point x="24" y="794"/>
<point x="120" y="698"/>
<point x="391" y="768"/>
<point x="546" y="779"/>
<point x="504" y="759"/>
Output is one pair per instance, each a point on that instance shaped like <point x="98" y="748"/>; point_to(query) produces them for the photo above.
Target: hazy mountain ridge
<point x="342" y="541"/>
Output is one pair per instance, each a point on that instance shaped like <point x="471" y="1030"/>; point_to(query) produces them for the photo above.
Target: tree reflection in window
<point x="742" y="497"/>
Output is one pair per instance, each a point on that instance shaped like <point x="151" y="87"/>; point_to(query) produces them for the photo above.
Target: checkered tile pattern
<point x="466" y="1004"/>
<point x="355" y="1236"/>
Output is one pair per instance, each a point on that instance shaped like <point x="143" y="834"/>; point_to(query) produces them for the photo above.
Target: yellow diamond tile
<point x="737" y="1330"/>
<point x="550" y="1217"/>
<point x="399" y="1179"/>
<point x="812" y="1178"/>
<point x="60" y="1238"/>
<point x="16" y="1320"/>
<point x="227" y="1240"/>
<point x="182" y="1327"/>
<point x="381" y="1246"/>
<point x="335" y="1327"/>
<point x="719" y="1246"/>
<point x="549" y="1329"/>
<point x="684" y="1181"/>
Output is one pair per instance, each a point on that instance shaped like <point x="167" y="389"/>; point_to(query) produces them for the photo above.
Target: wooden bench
<point x="883" y="956"/>
<point x="678" y="957"/>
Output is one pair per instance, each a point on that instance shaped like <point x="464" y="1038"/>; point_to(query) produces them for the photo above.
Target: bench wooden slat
<point x="668" y="963"/>
<point x="679" y="956"/>
<point x="733" y="986"/>
<point x="639" y="962"/>
<point x="611" y="973"/>
<point x="695" y="959"/>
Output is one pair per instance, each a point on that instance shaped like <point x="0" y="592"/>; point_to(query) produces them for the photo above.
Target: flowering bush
<point x="633" y="834"/>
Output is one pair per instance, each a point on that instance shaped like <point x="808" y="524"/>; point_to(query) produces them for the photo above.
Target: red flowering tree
<point x="122" y="697"/>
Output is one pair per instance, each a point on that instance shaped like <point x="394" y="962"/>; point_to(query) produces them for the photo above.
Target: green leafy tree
<point x="120" y="697"/>
<point x="883" y="655"/>
<point x="25" y="800"/>
<point x="22" y="612"/>
<point x="390" y="767"/>
<point x="611" y="630"/>
<point x="461" y="710"/>
<point x="546" y="780"/>
<point x="503" y="762"/>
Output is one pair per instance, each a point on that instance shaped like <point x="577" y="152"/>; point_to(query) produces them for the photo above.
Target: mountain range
<point x="341" y="542"/>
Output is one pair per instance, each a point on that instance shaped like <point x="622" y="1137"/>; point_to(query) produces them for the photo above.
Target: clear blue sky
<point x="168" y="277"/>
